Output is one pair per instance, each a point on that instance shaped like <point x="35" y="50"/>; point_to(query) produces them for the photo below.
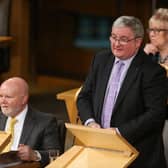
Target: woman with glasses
<point x="125" y="92"/>
<point x="158" y="36"/>
<point x="158" y="49"/>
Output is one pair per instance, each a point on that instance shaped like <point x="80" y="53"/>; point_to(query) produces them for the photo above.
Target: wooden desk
<point x="25" y="165"/>
<point x="70" y="97"/>
<point x="70" y="100"/>
<point x="11" y="160"/>
<point x="99" y="148"/>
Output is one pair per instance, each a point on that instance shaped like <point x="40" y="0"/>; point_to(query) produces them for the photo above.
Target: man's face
<point x="11" y="101"/>
<point x="124" y="44"/>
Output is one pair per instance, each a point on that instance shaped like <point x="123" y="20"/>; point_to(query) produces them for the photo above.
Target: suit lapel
<point x="129" y="80"/>
<point x="29" y="124"/>
<point x="3" y="119"/>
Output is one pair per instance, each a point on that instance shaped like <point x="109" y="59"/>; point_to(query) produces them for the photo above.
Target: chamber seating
<point x="70" y="97"/>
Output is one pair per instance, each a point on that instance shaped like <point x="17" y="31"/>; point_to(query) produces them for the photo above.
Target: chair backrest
<point x="75" y="108"/>
<point x="70" y="98"/>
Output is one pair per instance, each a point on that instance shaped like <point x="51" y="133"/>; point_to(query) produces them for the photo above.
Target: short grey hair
<point x="132" y="22"/>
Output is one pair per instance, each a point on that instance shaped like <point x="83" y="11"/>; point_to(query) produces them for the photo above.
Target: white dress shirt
<point x="17" y="128"/>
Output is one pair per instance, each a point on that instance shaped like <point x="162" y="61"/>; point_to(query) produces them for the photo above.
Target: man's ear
<point x="138" y="42"/>
<point x="25" y="99"/>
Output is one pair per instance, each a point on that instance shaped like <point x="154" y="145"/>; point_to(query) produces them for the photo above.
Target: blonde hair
<point x="160" y="15"/>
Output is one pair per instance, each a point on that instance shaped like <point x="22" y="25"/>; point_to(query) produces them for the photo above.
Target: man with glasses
<point x="125" y="92"/>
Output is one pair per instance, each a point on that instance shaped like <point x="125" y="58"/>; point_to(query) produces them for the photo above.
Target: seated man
<point x="34" y="132"/>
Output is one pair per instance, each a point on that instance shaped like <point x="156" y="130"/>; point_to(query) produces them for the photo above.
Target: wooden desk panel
<point x="99" y="148"/>
<point x="70" y="97"/>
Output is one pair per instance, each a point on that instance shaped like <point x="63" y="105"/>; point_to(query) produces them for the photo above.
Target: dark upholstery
<point x="62" y="133"/>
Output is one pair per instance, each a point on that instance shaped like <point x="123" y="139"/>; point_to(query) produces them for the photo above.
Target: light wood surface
<point x="99" y="148"/>
<point x="100" y="138"/>
<point x="64" y="160"/>
<point x="70" y="97"/>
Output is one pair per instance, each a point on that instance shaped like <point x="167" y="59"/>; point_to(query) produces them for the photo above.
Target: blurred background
<point x="54" y="41"/>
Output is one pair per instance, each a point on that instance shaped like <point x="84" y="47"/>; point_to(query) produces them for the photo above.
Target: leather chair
<point x="62" y="133"/>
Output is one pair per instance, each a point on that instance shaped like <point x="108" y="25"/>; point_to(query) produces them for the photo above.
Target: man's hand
<point x="26" y="153"/>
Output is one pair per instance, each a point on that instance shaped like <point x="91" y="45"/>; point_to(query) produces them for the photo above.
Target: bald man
<point x="34" y="132"/>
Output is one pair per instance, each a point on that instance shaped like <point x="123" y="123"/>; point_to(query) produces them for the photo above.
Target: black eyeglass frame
<point x="155" y="30"/>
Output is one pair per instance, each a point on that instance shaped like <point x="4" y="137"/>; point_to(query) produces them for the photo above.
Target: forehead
<point x="9" y="89"/>
<point x="158" y="24"/>
<point x="122" y="31"/>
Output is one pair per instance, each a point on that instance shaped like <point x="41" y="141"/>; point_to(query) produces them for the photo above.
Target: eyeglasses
<point x="156" y="31"/>
<point x="122" y="40"/>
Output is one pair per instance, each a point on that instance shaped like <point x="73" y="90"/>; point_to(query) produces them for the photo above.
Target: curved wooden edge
<point x="70" y="98"/>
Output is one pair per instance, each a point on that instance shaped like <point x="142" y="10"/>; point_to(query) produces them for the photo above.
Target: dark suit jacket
<point x="140" y="109"/>
<point x="39" y="132"/>
<point x="155" y="58"/>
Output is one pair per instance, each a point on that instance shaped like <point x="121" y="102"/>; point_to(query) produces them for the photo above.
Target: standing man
<point x="34" y="132"/>
<point x="126" y="91"/>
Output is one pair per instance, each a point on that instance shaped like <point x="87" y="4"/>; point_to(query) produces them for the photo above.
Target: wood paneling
<point x="43" y="32"/>
<point x="19" y="30"/>
<point x="55" y="53"/>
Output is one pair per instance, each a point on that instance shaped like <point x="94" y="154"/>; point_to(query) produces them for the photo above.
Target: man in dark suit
<point x="138" y="106"/>
<point x="34" y="132"/>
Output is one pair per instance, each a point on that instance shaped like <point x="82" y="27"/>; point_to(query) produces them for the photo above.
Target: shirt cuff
<point x="117" y="130"/>
<point x="88" y="121"/>
<point x="38" y="156"/>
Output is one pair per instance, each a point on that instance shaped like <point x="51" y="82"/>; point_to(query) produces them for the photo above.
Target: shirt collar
<point x="22" y="114"/>
<point x="126" y="61"/>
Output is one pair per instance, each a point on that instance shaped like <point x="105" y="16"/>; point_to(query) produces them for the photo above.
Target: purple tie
<point x="111" y="93"/>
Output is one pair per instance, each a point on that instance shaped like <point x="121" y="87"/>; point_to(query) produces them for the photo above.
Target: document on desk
<point x="9" y="159"/>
